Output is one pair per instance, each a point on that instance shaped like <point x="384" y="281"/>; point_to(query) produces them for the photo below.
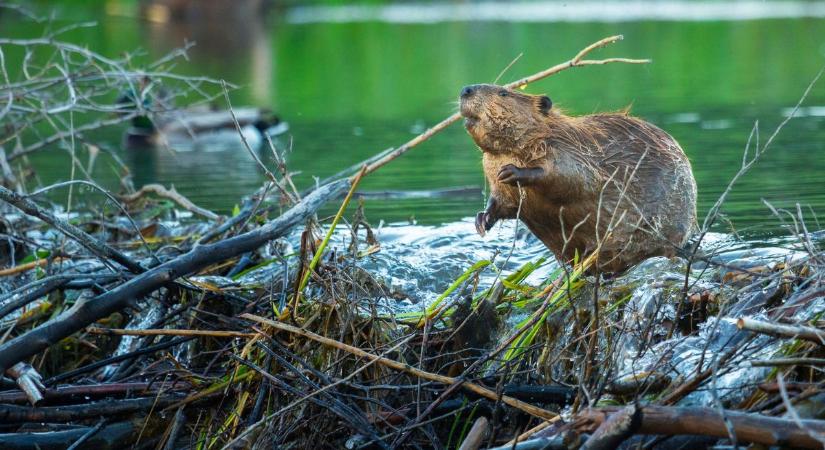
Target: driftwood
<point x="86" y="312"/>
<point x="776" y="329"/>
<point x="753" y="428"/>
<point x="171" y="332"/>
<point x="29" y="381"/>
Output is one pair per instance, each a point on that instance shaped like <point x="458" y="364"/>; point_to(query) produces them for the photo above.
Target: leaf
<point x="37" y="255"/>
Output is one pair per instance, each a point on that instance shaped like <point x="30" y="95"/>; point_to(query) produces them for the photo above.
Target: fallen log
<point x="107" y="437"/>
<point x="85" y="312"/>
<point x="68" y="413"/>
<point x="616" y="429"/>
<point x="753" y="428"/>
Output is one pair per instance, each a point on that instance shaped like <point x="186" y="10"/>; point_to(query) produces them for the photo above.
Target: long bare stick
<point x="170" y="332"/>
<point x="577" y="61"/>
<point x="472" y="387"/>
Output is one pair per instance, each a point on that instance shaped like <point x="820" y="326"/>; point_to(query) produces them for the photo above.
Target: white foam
<point x="554" y="11"/>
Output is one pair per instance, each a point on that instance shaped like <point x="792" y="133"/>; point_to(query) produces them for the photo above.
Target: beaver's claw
<point x="483" y="223"/>
<point x="512" y="175"/>
<point x="509" y="174"/>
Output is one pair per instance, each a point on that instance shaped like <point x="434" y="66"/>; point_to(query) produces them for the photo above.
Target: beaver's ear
<point x="545" y="104"/>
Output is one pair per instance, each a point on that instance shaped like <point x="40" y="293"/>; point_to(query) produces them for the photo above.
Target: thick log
<point x="615" y="430"/>
<point x="68" y="413"/>
<point x="108" y="437"/>
<point x="86" y="312"/>
<point x="753" y="428"/>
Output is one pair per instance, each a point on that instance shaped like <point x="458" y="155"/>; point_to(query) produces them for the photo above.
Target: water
<point x="351" y="86"/>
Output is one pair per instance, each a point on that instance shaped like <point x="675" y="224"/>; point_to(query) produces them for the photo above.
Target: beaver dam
<point x="136" y="318"/>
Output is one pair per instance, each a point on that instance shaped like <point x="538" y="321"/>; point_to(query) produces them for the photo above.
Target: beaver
<point x="576" y="182"/>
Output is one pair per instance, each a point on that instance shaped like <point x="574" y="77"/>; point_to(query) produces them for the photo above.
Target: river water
<point x="352" y="81"/>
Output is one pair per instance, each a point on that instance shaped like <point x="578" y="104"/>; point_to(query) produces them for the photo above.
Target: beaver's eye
<point x="503" y="93"/>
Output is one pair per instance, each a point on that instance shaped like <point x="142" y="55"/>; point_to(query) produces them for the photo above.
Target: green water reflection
<point x="351" y="90"/>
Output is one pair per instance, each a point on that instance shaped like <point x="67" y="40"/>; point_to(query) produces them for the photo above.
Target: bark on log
<point x="753" y="428"/>
<point x="86" y="312"/>
<point x="615" y="430"/>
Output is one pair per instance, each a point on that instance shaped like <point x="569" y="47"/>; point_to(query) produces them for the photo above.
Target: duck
<point x="197" y="128"/>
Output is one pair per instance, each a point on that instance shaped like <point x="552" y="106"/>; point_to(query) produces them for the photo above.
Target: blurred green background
<point x="352" y="87"/>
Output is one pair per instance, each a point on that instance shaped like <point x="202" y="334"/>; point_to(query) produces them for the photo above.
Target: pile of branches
<point x="120" y="327"/>
<point x="206" y="336"/>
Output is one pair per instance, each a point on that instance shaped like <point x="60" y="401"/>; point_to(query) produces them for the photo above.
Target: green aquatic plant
<point x="559" y="297"/>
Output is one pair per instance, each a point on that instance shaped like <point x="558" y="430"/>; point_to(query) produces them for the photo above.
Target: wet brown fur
<point x="634" y="170"/>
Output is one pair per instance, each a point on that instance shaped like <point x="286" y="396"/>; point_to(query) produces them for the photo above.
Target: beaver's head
<point x="501" y="119"/>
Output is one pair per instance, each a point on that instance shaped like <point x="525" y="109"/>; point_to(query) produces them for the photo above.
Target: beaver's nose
<point x="467" y="91"/>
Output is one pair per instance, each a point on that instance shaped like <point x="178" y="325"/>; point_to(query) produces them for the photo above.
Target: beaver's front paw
<point x="524" y="176"/>
<point x="484" y="221"/>
<point x="509" y="174"/>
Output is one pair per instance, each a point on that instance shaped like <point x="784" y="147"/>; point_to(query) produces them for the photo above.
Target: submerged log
<point x="86" y="312"/>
